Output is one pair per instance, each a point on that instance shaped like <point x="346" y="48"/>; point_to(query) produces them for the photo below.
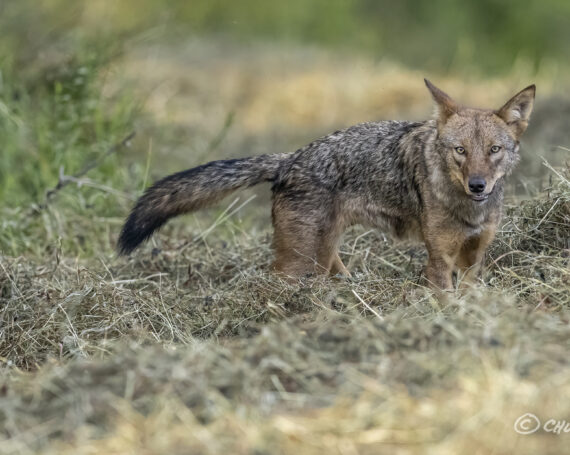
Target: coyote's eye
<point x="460" y="150"/>
<point x="495" y="149"/>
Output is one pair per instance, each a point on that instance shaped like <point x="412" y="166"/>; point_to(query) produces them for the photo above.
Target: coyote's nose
<point x="477" y="184"/>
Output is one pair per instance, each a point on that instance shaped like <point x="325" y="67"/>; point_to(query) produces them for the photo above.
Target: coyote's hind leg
<point x="305" y="243"/>
<point x="295" y="241"/>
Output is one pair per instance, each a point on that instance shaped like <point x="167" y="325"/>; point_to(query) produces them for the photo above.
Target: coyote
<point x="440" y="181"/>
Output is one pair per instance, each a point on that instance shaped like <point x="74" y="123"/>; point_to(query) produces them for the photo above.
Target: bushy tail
<point x="191" y="190"/>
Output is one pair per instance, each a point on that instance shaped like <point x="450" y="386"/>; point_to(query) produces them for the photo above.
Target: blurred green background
<point x="205" y="79"/>
<point x="439" y="34"/>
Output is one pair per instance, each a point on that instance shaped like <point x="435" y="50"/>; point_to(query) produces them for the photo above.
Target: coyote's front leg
<point x="443" y="245"/>
<point x="470" y="259"/>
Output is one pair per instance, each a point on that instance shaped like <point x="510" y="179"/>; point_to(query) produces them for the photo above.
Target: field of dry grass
<point x="191" y="346"/>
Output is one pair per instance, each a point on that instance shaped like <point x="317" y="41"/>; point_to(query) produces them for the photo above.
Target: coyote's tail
<point x="191" y="190"/>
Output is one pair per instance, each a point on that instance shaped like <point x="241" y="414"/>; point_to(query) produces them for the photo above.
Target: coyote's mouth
<point x="480" y="197"/>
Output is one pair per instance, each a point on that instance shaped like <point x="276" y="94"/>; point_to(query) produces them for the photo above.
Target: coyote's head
<point x="480" y="146"/>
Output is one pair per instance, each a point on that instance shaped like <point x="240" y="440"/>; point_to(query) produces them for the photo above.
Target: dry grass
<point x="277" y="88"/>
<point x="196" y="349"/>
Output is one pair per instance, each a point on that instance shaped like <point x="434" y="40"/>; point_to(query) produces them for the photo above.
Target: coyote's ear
<point x="445" y="106"/>
<point x="516" y="111"/>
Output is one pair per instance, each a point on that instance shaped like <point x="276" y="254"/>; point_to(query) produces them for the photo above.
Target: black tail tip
<point x="135" y="233"/>
<point x="128" y="241"/>
<point x="124" y="248"/>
